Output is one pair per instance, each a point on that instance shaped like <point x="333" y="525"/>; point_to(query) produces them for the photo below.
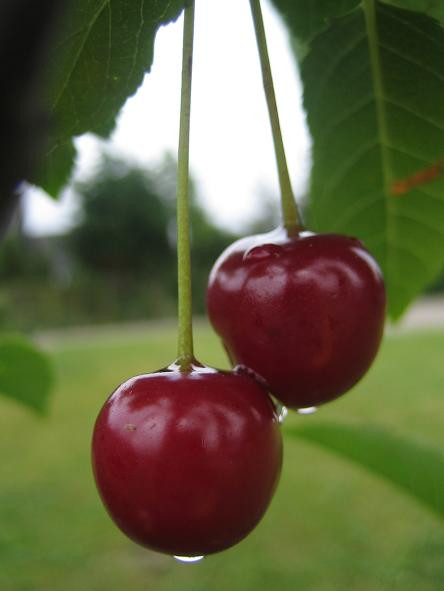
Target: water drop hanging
<point x="309" y="410"/>
<point x="188" y="559"/>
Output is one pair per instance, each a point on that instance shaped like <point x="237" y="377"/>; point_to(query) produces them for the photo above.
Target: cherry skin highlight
<point x="304" y="312"/>
<point x="186" y="462"/>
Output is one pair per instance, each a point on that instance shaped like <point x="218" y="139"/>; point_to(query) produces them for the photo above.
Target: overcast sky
<point x="232" y="156"/>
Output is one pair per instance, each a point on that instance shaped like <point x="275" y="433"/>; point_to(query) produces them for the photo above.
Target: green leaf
<point x="412" y="466"/>
<point x="307" y="18"/>
<point x="25" y="373"/>
<point x="374" y="96"/>
<point x="57" y="169"/>
<point x="104" y="49"/>
<point x="434" y="8"/>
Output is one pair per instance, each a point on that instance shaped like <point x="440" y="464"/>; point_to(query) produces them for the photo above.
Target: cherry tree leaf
<point x="307" y="18"/>
<point x="102" y="54"/>
<point x="414" y="467"/>
<point x="434" y="8"/>
<point x="374" y="95"/>
<point x="25" y="373"/>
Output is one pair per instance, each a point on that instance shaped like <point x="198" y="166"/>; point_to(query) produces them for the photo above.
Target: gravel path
<point x="425" y="313"/>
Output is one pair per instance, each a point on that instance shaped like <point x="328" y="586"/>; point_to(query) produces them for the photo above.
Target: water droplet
<point x="188" y="559"/>
<point x="263" y="251"/>
<point x="283" y="412"/>
<point x="309" y="410"/>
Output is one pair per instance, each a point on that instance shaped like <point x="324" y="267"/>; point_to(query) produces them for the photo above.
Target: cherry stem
<point x="185" y="326"/>
<point x="290" y="214"/>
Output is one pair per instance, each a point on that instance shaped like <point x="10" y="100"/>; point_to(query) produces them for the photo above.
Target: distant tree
<point x="126" y="228"/>
<point x="123" y="224"/>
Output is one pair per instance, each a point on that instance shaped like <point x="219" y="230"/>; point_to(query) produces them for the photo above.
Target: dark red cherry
<point x="305" y="313"/>
<point x="186" y="463"/>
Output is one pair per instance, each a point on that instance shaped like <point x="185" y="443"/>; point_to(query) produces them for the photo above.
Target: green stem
<point x="185" y="329"/>
<point x="290" y="214"/>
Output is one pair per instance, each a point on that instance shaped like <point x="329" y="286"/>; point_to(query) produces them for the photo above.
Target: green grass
<point x="331" y="527"/>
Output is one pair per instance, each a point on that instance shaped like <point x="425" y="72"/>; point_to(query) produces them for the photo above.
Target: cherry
<point x="305" y="312"/>
<point x="186" y="462"/>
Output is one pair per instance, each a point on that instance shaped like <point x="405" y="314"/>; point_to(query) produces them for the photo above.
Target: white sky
<point x="232" y="158"/>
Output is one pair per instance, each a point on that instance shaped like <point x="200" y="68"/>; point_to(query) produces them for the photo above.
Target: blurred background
<point x="117" y="259"/>
<point x="92" y="279"/>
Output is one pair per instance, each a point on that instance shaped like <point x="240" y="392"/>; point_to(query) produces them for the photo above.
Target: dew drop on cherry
<point x="282" y="414"/>
<point x="188" y="559"/>
<point x="262" y="252"/>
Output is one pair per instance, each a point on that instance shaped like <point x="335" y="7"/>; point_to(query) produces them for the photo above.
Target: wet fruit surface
<point x="187" y="463"/>
<point x="306" y="313"/>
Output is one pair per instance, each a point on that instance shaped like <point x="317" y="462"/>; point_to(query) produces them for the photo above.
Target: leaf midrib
<point x="381" y="117"/>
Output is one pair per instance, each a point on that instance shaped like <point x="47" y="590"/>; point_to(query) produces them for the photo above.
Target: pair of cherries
<point x="187" y="460"/>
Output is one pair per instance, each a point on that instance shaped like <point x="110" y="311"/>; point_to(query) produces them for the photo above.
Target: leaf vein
<point x="403" y="107"/>
<point x="410" y="60"/>
<point x="138" y="36"/>
<point x="426" y="224"/>
<point x="358" y="106"/>
<point x="408" y="153"/>
<point x="407" y="251"/>
<point x="407" y="24"/>
<point x="79" y="51"/>
<point x="436" y="198"/>
<point x="349" y="164"/>
<point x="334" y="64"/>
<point x="357" y="209"/>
